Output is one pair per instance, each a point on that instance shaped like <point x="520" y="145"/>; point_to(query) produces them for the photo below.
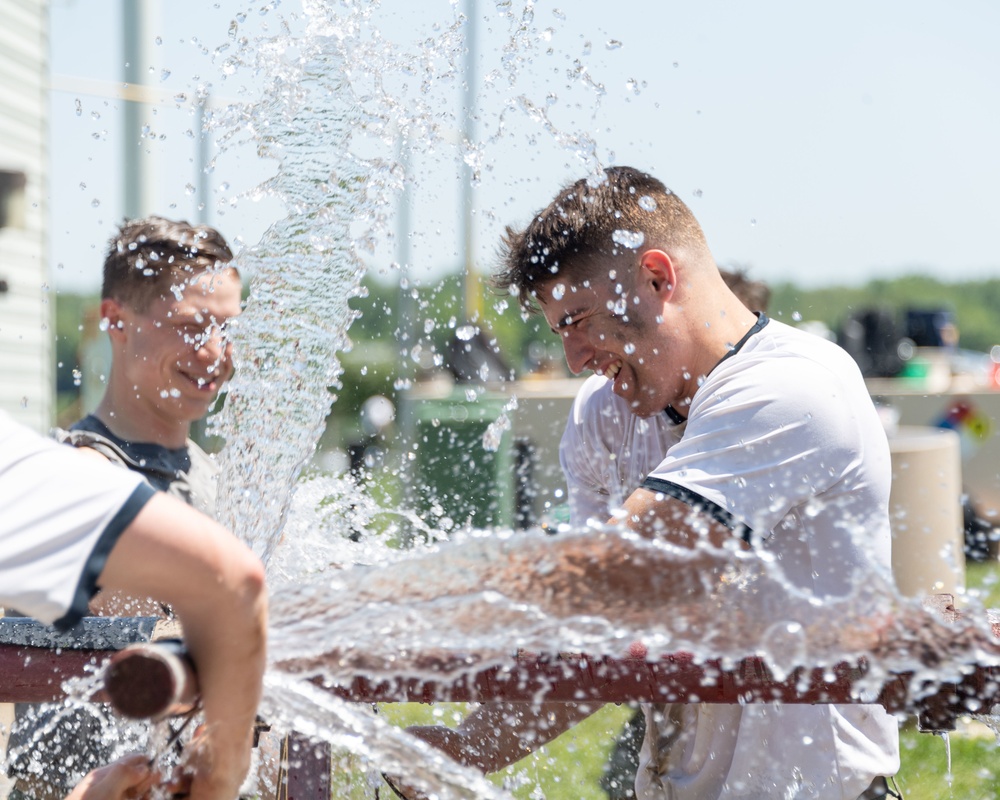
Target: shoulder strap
<point x="111" y="451"/>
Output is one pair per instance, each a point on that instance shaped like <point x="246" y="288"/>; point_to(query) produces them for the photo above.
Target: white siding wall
<point x="26" y="310"/>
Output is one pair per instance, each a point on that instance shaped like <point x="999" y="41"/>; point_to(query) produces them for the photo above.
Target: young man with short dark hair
<point x="714" y="429"/>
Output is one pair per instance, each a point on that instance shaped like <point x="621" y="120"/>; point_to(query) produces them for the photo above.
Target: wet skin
<point x="172" y="358"/>
<point x="615" y="327"/>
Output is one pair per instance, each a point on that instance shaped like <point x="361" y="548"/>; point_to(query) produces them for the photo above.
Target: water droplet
<point x="796" y="316"/>
<point x="164" y="74"/>
<point x="189" y="189"/>
<point x="158" y="40"/>
<point x="466" y="332"/>
<point x="629" y="348"/>
<point x="77" y="377"/>
<point x="559" y="291"/>
<point x="79" y="108"/>
<point x="647" y="203"/>
<point x="630" y="239"/>
<point x="613" y="44"/>
<point x="95" y="202"/>
<point x="753" y="222"/>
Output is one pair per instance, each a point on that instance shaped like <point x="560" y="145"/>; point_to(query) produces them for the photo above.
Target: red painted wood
<point x="35" y="674"/>
<point x="309" y="765"/>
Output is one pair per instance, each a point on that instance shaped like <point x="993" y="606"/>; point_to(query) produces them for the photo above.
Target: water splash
<point x="332" y="118"/>
<point x="329" y="118"/>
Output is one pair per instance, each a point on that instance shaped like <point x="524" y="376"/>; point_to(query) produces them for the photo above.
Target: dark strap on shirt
<point x="699" y="503"/>
<point x="675" y="416"/>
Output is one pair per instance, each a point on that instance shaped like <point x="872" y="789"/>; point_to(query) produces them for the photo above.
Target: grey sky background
<point x="823" y="143"/>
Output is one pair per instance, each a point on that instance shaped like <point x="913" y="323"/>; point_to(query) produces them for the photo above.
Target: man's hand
<point x="128" y="777"/>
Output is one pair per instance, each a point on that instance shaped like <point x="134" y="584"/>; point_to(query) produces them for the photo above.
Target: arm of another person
<point x="216" y="587"/>
<point x="495" y="735"/>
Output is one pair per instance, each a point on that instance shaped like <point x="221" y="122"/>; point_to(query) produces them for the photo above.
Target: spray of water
<point x="330" y="118"/>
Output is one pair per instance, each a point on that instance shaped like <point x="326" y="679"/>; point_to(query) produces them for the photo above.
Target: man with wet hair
<point x="168" y="294"/>
<point x="70" y="525"/>
<point x="712" y="428"/>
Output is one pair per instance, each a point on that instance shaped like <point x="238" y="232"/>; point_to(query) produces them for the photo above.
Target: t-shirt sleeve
<point x="585" y="456"/>
<point x="61" y="513"/>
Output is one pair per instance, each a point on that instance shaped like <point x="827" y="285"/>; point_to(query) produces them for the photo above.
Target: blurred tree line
<point x="975" y="304"/>
<point x="402" y="335"/>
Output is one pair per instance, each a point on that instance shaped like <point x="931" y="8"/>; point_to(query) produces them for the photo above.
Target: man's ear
<point x="111" y="311"/>
<point x="659" y="272"/>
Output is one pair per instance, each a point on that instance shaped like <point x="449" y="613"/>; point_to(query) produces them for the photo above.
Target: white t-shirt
<point x="783" y="444"/>
<point x="60" y="515"/>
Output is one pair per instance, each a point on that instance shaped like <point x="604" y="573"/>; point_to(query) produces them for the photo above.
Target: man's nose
<point x="213" y="345"/>
<point x="578" y="351"/>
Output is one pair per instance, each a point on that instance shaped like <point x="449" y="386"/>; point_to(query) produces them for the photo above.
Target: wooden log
<point x="36" y="674"/>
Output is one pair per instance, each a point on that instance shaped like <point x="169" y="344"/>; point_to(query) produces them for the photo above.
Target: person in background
<point x="168" y="295"/>
<point x="710" y="428"/>
<point x="169" y="291"/>
<point x="70" y="525"/>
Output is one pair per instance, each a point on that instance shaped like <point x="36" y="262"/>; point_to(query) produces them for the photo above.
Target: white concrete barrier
<point x="928" y="548"/>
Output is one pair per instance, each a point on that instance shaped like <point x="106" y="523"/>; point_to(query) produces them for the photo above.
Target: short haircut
<point x="622" y="211"/>
<point x="148" y="256"/>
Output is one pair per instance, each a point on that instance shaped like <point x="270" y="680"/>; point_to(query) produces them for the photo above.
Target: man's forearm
<point x="216" y="587"/>
<point x="495" y="735"/>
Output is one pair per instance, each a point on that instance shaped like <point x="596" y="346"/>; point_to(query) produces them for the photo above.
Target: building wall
<point x="26" y="307"/>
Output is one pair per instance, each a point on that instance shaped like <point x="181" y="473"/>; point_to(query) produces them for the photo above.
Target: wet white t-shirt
<point x="60" y="515"/>
<point x="783" y="444"/>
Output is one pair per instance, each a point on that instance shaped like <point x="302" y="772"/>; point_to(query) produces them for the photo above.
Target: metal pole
<point x="135" y="47"/>
<point x="201" y="180"/>
<point x="470" y="275"/>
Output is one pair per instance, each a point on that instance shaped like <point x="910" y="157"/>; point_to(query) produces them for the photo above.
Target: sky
<point x="819" y="143"/>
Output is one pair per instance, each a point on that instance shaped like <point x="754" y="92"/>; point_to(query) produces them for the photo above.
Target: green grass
<point x="975" y="764"/>
<point x="982" y="581"/>
<point x="570" y="768"/>
<point x="975" y="756"/>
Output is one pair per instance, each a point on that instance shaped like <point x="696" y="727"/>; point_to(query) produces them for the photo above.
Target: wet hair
<point x="755" y="295"/>
<point x="595" y="219"/>
<point x="147" y="256"/>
